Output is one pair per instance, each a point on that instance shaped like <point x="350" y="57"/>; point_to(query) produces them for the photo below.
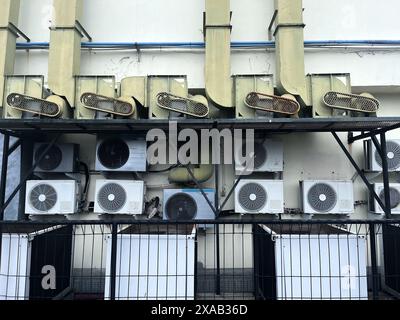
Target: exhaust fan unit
<point x="394" y="190"/>
<point x="120" y="154"/>
<point x="373" y="160"/>
<point x="59" y="158"/>
<point x="51" y="197"/>
<point x="188" y="204"/>
<point x="268" y="156"/>
<point x="327" y="197"/>
<point x="119" y="197"/>
<point x="259" y="196"/>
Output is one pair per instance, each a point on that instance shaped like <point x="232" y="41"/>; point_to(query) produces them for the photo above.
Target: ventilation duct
<point x="217" y="33"/>
<point x="9" y="12"/>
<point x="65" y="46"/>
<point x="202" y="173"/>
<point x="289" y="42"/>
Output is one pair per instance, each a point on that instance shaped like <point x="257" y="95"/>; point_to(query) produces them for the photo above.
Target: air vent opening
<point x="322" y="197"/>
<point x="43" y="197"/>
<point x="113" y="153"/>
<point x="52" y="158"/>
<point x="181" y="206"/>
<point x="394" y="197"/>
<point x="112" y="197"/>
<point x="393" y="155"/>
<point x="252" y="197"/>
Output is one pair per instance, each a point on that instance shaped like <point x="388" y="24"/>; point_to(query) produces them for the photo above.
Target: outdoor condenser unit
<point x="153" y="262"/>
<point x="315" y="262"/>
<point x="121" y="153"/>
<point x="373" y="160"/>
<point x="394" y="190"/>
<point x="27" y="252"/>
<point x="61" y="157"/>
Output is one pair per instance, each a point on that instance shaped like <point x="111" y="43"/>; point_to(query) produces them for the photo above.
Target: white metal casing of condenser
<point x="158" y="266"/>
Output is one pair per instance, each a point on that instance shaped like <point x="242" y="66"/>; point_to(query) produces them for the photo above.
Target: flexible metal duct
<point x="65" y="48"/>
<point x="9" y="12"/>
<point x="217" y="32"/>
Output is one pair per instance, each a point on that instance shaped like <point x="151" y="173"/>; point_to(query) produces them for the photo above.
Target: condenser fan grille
<point x="113" y="153"/>
<point x="394" y="197"/>
<point x="322" y="197"/>
<point x="252" y="196"/>
<point x="393" y="155"/>
<point x="111" y="197"/>
<point x="181" y="206"/>
<point x="260" y="154"/>
<point x="52" y="158"/>
<point x="43" y="197"/>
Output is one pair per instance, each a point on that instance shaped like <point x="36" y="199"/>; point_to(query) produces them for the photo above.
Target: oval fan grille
<point x="321" y="197"/>
<point x="111" y="197"/>
<point x="393" y="158"/>
<point x="51" y="159"/>
<point x="181" y="206"/>
<point x="43" y="197"/>
<point x="113" y="153"/>
<point x="260" y="154"/>
<point x="394" y="197"/>
<point x="252" y="196"/>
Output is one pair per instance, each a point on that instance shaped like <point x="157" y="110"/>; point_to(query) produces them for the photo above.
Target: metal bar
<point x="14" y="146"/>
<point x="374" y="268"/>
<point x="15" y="31"/>
<point x="113" y="271"/>
<point x="4" y="167"/>
<point x="385" y="172"/>
<point x="373" y="133"/>
<point x="218" y="276"/>
<point x="271" y="24"/>
<point x="377" y="145"/>
<point x="231" y="192"/>
<point x="201" y="190"/>
<point x="359" y="171"/>
<point x="26" y="177"/>
<point x="83" y="31"/>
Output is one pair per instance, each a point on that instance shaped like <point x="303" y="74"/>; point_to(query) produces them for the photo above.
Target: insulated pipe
<point x="217" y="33"/>
<point x="289" y="41"/>
<point x="65" y="46"/>
<point x="9" y="12"/>
<point x="201" y="173"/>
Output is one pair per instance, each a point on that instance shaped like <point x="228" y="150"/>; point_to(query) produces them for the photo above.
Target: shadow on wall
<point x="13" y="178"/>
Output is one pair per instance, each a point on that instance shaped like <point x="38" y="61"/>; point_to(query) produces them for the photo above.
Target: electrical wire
<point x="87" y="183"/>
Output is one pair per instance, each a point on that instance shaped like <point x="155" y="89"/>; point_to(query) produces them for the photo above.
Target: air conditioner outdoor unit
<point x="61" y="157"/>
<point x="268" y="156"/>
<point x="51" y="197"/>
<point x="373" y="160"/>
<point x="119" y="196"/>
<point x="394" y="190"/>
<point x="259" y="196"/>
<point x="327" y="197"/>
<point x="188" y="204"/>
<point x="121" y="153"/>
<point x="294" y="262"/>
<point x="25" y="250"/>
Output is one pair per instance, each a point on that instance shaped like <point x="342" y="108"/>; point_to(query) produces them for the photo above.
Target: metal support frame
<point x="371" y="133"/>
<point x="77" y="27"/>
<point x="28" y="174"/>
<point x="113" y="271"/>
<point x="15" y="31"/>
<point x="359" y="171"/>
<point x="374" y="268"/>
<point x="3" y="178"/>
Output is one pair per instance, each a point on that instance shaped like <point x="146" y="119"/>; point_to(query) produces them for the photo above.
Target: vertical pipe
<point x="113" y="275"/>
<point x="65" y="48"/>
<point x="385" y="172"/>
<point x="9" y="12"/>
<point x="218" y="277"/>
<point x="4" y="167"/>
<point x="373" y="261"/>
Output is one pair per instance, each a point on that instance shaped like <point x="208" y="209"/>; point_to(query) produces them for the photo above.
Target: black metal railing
<point x="258" y="259"/>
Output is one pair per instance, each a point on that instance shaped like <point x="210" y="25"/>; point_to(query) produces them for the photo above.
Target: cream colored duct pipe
<point x="9" y="12"/>
<point x="217" y="32"/>
<point x="289" y="41"/>
<point x="65" y="48"/>
<point x="202" y="173"/>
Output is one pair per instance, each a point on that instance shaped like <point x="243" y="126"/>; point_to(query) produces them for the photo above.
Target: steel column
<point x="374" y="268"/>
<point x="4" y="167"/>
<point x="113" y="271"/>
<point x="385" y="172"/>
